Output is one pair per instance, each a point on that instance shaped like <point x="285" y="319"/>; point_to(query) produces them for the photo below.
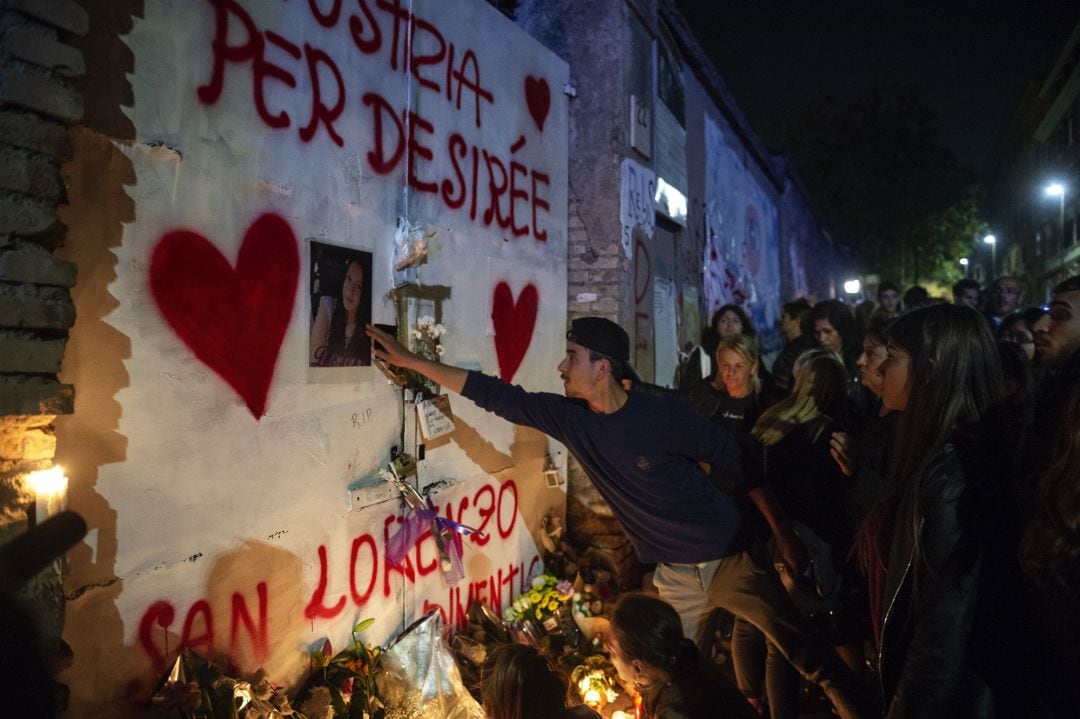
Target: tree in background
<point x="884" y="185"/>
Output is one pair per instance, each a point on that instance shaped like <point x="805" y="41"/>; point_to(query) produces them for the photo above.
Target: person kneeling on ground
<point x="649" y="650"/>
<point x="518" y="682"/>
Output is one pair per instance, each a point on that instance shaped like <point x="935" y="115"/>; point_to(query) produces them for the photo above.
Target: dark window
<point x="670" y="87"/>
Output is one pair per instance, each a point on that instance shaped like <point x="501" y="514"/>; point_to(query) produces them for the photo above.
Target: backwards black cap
<point x="604" y="336"/>
<point x="600" y="335"/>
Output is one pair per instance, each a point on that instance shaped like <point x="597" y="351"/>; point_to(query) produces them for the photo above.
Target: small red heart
<point x="233" y="320"/>
<point x="538" y="99"/>
<point x="514" y="323"/>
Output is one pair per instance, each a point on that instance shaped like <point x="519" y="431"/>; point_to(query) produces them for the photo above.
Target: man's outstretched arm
<point x="386" y="348"/>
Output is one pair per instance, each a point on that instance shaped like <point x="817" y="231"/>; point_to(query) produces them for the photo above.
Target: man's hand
<point x="386" y="348"/>
<point x="790" y="547"/>
<point x="388" y="351"/>
<point x="841" y="447"/>
<point x="792" y="551"/>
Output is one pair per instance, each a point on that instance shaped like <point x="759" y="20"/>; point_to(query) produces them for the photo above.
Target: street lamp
<point x="1056" y="189"/>
<point x="852" y="287"/>
<point x="992" y="241"/>
<point x="964" y="264"/>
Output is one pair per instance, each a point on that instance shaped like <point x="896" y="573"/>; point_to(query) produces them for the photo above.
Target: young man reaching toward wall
<point x="644" y="454"/>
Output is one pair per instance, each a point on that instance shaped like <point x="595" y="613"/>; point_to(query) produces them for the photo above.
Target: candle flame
<point x="48" y="482"/>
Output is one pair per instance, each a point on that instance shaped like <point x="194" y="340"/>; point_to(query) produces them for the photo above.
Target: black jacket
<point x="783" y="379"/>
<point x="951" y="592"/>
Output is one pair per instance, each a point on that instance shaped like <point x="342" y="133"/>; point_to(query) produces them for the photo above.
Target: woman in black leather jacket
<point x="940" y="547"/>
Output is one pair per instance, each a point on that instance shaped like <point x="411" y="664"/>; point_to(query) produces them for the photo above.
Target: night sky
<point x="972" y="60"/>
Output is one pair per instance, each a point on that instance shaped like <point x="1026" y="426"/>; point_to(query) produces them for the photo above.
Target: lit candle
<point x="50" y="492"/>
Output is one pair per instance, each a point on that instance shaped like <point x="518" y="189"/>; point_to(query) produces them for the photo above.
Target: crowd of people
<point x="912" y="466"/>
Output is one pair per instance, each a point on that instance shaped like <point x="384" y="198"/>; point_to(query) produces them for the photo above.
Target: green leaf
<point x="336" y="701"/>
<point x="363" y="625"/>
<point x="356" y="706"/>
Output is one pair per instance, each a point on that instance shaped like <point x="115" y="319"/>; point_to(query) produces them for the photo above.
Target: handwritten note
<point x="436" y="419"/>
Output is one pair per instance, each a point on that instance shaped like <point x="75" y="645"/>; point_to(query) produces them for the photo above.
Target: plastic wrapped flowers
<point x="541" y="603"/>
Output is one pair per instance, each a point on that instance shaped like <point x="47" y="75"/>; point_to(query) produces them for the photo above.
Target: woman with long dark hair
<point x="1019" y="328"/>
<point x="518" y="682"/>
<point x="648" y="648"/>
<point x="866" y="458"/>
<point x="337" y="334"/>
<point x="731" y="320"/>
<point x="939" y="547"/>
<point x="832" y="326"/>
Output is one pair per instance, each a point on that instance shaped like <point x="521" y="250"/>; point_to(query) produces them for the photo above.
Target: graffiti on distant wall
<point x="742" y="241"/>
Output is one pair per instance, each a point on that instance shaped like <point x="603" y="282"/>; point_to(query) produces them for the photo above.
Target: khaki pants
<point x="743" y="585"/>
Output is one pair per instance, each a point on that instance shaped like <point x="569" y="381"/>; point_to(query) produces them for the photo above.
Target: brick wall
<point x="37" y="105"/>
<point x="595" y="266"/>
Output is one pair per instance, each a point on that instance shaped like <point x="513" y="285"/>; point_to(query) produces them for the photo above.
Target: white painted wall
<point x="204" y="512"/>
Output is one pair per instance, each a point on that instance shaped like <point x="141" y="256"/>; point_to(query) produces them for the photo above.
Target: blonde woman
<point x="732" y="399"/>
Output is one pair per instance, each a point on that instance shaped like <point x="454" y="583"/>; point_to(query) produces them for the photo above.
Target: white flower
<point x="438" y="330"/>
<point x="425" y="321"/>
<point x="439" y="350"/>
<point x="415" y="334"/>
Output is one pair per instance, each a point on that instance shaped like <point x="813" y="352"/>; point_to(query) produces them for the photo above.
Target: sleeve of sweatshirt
<point x="713" y="444"/>
<point x="540" y="410"/>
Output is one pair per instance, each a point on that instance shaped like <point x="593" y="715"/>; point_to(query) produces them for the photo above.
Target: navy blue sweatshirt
<point x="643" y="459"/>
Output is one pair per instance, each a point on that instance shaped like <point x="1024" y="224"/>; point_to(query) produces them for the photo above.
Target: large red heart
<point x="232" y="319"/>
<point x="514" y="323"/>
<point x="538" y="99"/>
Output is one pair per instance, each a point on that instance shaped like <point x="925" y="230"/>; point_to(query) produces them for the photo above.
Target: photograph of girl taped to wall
<point x="340" y="306"/>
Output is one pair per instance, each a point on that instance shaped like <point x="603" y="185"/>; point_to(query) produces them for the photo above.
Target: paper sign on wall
<point x="636" y="203"/>
<point x="435" y="416"/>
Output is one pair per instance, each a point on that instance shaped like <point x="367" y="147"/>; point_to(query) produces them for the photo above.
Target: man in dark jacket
<point x="791" y="320"/>
<point x="1004" y="298"/>
<point x="1057" y="333"/>
<point x="644" y="455"/>
<point x="1057" y="348"/>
